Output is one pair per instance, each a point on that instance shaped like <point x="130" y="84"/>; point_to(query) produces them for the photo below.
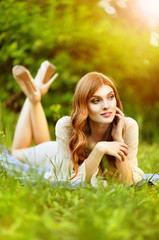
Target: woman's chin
<point x="107" y="119"/>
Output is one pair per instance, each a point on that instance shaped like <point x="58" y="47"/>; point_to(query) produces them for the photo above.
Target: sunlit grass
<point x="44" y="213"/>
<point x="148" y="157"/>
<point x="39" y="212"/>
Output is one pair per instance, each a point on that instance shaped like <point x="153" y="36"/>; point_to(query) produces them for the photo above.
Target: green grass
<point x="29" y="212"/>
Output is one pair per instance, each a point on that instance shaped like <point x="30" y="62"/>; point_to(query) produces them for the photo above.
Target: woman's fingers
<point x="120" y="118"/>
<point x="119" y="111"/>
<point x="119" y="115"/>
<point x="122" y="154"/>
<point x="119" y="157"/>
<point x="123" y="145"/>
<point x="124" y="150"/>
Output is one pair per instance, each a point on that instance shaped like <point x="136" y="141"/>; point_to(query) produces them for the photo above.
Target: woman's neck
<point x="98" y="131"/>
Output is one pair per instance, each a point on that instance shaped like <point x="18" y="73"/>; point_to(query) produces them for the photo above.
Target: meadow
<point x="37" y="211"/>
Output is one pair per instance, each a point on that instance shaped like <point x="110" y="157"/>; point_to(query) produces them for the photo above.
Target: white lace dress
<point x="57" y="156"/>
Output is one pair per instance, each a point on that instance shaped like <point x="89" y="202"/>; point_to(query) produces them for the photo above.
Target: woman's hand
<point x="118" y="128"/>
<point x="116" y="149"/>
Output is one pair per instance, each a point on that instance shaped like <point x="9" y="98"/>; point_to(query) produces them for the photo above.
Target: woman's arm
<point x="124" y="168"/>
<point x="129" y="173"/>
<point x="125" y="172"/>
<point x="116" y="149"/>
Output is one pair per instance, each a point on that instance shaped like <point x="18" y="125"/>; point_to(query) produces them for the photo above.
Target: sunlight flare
<point x="150" y="7"/>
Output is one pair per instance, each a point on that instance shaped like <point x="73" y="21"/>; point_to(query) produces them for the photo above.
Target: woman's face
<point x="102" y="105"/>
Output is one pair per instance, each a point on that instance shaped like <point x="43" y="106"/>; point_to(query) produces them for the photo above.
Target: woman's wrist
<point x="120" y="139"/>
<point x="93" y="160"/>
<point x="125" y="172"/>
<point x="100" y="149"/>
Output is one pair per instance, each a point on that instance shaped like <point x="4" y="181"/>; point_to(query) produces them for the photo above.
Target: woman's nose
<point x="105" y="104"/>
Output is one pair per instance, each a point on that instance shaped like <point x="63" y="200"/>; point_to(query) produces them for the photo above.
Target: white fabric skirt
<point x="42" y="155"/>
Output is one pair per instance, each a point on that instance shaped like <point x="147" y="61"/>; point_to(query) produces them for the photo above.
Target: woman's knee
<point x="18" y="153"/>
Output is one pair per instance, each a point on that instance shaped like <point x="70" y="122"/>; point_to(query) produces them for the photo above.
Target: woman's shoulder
<point x="64" y="121"/>
<point x="63" y="126"/>
<point x="129" y="122"/>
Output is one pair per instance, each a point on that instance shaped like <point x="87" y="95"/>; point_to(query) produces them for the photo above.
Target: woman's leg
<point x="32" y="123"/>
<point x="23" y="132"/>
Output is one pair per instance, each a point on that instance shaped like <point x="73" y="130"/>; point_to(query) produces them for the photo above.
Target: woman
<point x="96" y="140"/>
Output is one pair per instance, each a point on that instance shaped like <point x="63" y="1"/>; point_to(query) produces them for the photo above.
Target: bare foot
<point x="43" y="77"/>
<point x="25" y="81"/>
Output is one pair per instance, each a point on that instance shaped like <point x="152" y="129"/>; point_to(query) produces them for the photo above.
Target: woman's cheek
<point x="94" y="108"/>
<point x="114" y="104"/>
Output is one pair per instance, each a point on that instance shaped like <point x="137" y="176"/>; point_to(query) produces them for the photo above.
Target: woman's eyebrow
<point x="100" y="95"/>
<point x="110" y="92"/>
<point x="95" y="96"/>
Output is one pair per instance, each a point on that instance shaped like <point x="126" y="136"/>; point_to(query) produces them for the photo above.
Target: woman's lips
<point x="106" y="114"/>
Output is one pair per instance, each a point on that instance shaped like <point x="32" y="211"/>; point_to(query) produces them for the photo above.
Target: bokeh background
<point x="116" y="37"/>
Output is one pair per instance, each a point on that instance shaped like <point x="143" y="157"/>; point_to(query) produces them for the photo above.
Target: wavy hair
<point x="85" y="88"/>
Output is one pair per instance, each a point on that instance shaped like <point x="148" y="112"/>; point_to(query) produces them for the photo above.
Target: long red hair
<point x="85" y="88"/>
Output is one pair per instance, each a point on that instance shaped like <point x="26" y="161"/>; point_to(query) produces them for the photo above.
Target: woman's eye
<point x="111" y="96"/>
<point x="95" y="100"/>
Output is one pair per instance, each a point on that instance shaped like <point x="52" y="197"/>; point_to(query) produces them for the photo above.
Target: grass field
<point x="29" y="212"/>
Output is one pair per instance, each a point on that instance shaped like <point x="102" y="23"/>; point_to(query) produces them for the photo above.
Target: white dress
<point x="57" y="156"/>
